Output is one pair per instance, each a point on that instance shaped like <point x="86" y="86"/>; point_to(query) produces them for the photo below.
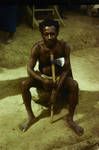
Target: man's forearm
<point x="35" y="75"/>
<point x="61" y="80"/>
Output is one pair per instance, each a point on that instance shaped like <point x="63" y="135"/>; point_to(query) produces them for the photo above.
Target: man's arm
<point x="47" y="84"/>
<point x="67" y="71"/>
<point x="67" y="60"/>
<point x="32" y="62"/>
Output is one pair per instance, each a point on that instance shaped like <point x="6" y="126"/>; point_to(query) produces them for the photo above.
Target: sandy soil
<point x="82" y="32"/>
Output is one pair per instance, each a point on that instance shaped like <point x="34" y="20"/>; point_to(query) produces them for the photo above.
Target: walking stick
<point x="53" y="90"/>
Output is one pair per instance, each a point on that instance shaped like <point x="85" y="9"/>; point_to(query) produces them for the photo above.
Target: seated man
<point x="41" y="52"/>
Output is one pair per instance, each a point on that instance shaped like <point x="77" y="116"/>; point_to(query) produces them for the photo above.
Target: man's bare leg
<point x="72" y="124"/>
<point x="26" y="95"/>
<point x="73" y="101"/>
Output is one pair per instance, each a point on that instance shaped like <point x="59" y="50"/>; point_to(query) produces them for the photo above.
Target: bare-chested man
<point x="41" y="52"/>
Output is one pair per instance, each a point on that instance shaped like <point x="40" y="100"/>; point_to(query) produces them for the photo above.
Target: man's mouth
<point x="50" y="42"/>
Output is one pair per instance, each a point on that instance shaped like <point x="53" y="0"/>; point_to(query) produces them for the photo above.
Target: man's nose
<point x="49" y="36"/>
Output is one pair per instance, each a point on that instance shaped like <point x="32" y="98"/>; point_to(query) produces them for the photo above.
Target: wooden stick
<point x="53" y="78"/>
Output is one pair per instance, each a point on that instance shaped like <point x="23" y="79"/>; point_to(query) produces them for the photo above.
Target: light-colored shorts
<point x="50" y="77"/>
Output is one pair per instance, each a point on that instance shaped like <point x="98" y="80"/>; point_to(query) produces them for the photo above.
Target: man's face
<point x="49" y="36"/>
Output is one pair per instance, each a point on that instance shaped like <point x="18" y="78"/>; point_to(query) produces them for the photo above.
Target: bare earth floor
<point x="82" y="33"/>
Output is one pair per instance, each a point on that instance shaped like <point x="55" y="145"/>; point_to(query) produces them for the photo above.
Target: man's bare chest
<point x="45" y="55"/>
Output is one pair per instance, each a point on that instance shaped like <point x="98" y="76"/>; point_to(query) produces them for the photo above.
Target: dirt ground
<point x="82" y="33"/>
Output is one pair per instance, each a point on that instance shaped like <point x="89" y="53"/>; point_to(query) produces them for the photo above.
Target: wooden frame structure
<point x="53" y="10"/>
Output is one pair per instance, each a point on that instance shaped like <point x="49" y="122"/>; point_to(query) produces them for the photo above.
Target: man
<point x="41" y="52"/>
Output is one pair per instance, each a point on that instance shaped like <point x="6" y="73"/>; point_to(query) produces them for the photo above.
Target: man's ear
<point x="42" y="34"/>
<point x="57" y="33"/>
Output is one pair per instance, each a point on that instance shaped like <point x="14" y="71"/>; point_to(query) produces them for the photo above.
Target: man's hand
<point x="61" y="81"/>
<point x="48" y="84"/>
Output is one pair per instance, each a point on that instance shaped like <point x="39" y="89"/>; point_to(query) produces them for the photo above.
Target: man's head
<point x="49" y="29"/>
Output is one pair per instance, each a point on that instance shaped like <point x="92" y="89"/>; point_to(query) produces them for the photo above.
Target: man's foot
<point x="72" y="124"/>
<point x="25" y="126"/>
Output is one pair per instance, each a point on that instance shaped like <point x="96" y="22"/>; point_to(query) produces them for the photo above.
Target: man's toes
<point x="81" y="131"/>
<point x="21" y="127"/>
<point x="24" y="127"/>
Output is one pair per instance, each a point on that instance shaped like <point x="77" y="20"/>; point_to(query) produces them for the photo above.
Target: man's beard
<point x="50" y="44"/>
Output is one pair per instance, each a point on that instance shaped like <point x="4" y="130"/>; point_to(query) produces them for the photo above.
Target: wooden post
<point x="53" y="78"/>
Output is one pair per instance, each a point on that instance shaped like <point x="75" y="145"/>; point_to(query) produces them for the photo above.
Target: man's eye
<point x="52" y="34"/>
<point x="46" y="34"/>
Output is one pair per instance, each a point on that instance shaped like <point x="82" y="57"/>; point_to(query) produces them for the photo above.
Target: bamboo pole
<point x="53" y="78"/>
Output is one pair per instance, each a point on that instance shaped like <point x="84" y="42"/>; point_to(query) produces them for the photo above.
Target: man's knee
<point x="74" y="86"/>
<point x="24" y="85"/>
<point x="75" y="91"/>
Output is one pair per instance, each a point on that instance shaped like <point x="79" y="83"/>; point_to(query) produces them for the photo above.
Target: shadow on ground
<point x="10" y="87"/>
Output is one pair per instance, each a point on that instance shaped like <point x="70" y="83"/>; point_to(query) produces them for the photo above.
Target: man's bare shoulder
<point x="37" y="46"/>
<point x="65" y="45"/>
